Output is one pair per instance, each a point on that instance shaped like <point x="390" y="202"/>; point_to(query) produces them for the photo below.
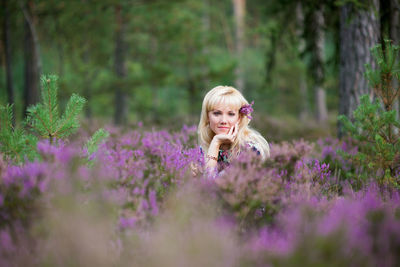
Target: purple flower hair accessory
<point x="247" y="110"/>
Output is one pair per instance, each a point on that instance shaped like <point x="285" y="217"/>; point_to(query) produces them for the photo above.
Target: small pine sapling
<point x="375" y="126"/>
<point x="43" y="120"/>
<point x="44" y="117"/>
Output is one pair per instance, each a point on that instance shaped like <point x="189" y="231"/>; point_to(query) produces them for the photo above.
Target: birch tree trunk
<point x="304" y="112"/>
<point x="8" y="59"/>
<point x="359" y="31"/>
<point x="239" y="8"/>
<point x="120" y="114"/>
<point x="33" y="65"/>
<point x="318" y="40"/>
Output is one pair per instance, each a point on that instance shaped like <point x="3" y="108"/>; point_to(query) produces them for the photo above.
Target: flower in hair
<point x="247" y="110"/>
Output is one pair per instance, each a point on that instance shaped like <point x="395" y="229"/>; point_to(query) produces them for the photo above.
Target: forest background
<point x="152" y="61"/>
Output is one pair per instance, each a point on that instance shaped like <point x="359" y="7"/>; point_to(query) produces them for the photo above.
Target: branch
<point x="67" y="119"/>
<point x="44" y="125"/>
<point x="50" y="112"/>
<point x="59" y="132"/>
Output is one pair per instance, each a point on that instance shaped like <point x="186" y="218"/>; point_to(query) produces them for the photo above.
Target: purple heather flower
<point x="144" y="205"/>
<point x="247" y="110"/>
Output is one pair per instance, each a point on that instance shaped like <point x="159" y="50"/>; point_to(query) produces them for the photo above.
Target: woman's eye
<point x="217" y="113"/>
<point x="231" y="114"/>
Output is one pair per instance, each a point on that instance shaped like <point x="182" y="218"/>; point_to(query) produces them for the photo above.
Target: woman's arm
<point x="211" y="158"/>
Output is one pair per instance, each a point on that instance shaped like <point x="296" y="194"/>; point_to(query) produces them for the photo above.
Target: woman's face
<point x="222" y="118"/>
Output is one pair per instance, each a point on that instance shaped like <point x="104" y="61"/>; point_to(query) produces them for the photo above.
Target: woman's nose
<point x="223" y="119"/>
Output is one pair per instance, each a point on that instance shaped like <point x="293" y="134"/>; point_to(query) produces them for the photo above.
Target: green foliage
<point x="15" y="144"/>
<point x="98" y="137"/>
<point x="43" y="120"/>
<point x="376" y="129"/>
<point x="44" y="117"/>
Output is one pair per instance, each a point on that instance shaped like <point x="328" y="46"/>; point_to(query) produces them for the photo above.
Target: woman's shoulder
<point x="257" y="142"/>
<point x="253" y="146"/>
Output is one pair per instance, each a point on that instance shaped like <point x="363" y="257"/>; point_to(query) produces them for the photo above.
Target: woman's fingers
<point x="230" y="130"/>
<point x="234" y="132"/>
<point x="236" y="129"/>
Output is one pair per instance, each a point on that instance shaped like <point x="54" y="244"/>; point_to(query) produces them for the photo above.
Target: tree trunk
<point x="395" y="21"/>
<point x="395" y="36"/>
<point x="205" y="47"/>
<point x="33" y="65"/>
<point x="239" y="8"/>
<point x="119" y="67"/>
<point x="60" y="49"/>
<point x="359" y="31"/>
<point x="304" y="108"/>
<point x="318" y="40"/>
<point x="8" y="60"/>
<point x="270" y="56"/>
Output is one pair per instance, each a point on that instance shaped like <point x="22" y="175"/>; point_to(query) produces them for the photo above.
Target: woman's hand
<point x="217" y="141"/>
<point x="228" y="138"/>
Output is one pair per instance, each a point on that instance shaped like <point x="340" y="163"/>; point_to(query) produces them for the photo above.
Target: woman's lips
<point x="223" y="127"/>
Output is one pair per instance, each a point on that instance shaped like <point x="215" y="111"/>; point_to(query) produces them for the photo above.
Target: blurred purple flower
<point x="6" y="243"/>
<point x="125" y="223"/>
<point x="153" y="202"/>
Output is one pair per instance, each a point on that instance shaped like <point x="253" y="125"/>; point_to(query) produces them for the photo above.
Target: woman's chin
<point x="222" y="131"/>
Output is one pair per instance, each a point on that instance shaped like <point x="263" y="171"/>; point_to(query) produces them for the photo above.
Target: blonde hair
<point x="227" y="95"/>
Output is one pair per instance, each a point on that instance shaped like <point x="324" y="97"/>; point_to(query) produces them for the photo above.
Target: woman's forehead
<point x="226" y="101"/>
<point x="224" y="107"/>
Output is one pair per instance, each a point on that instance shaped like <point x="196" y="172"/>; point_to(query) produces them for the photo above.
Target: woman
<point x="223" y="128"/>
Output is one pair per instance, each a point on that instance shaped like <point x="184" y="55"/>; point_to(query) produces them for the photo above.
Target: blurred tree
<point x="33" y="64"/>
<point x="304" y="110"/>
<point x="239" y="8"/>
<point x="8" y="56"/>
<point x="390" y="29"/>
<point x="280" y="20"/>
<point x="178" y="49"/>
<point x="394" y="33"/>
<point x="389" y="20"/>
<point x="395" y="21"/>
<point x="359" y="31"/>
<point x="316" y="24"/>
<point x="120" y="114"/>
<point x="81" y="34"/>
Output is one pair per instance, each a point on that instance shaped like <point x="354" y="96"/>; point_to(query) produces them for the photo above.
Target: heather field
<point x="122" y="124"/>
<point x="142" y="199"/>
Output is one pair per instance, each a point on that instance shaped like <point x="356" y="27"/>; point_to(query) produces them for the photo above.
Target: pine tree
<point x="43" y="121"/>
<point x="375" y="126"/>
<point x="44" y="117"/>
